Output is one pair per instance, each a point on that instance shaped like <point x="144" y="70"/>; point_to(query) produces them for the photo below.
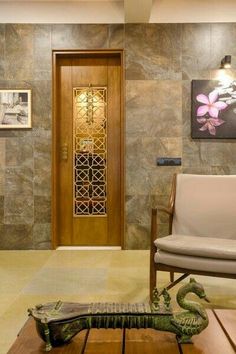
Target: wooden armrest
<point x="164" y="209"/>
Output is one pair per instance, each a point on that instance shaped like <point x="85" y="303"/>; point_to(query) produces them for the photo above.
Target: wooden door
<point x="89" y="150"/>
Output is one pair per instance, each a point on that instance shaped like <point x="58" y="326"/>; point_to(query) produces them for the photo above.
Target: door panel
<point x="64" y="146"/>
<point x="89" y="162"/>
<point x="114" y="149"/>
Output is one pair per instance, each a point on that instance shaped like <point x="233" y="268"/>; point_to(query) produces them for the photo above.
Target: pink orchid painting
<point x="213" y="109"/>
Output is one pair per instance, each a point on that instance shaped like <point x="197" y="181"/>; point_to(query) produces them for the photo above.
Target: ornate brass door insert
<point x="90" y="151"/>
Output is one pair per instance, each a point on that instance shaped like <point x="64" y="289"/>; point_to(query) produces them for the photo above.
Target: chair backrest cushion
<point x="205" y="205"/>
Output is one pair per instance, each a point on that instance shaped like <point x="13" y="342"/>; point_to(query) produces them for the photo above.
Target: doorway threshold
<point x="88" y="248"/>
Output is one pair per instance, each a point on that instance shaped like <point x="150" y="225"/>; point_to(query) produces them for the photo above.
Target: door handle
<point x="64" y="152"/>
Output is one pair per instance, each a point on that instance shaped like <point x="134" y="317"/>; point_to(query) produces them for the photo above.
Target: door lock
<point x="64" y="152"/>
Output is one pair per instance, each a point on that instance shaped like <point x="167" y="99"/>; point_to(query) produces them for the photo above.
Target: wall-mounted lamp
<point x="226" y="62"/>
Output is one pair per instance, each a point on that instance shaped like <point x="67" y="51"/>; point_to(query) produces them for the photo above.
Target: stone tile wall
<point x="161" y="61"/>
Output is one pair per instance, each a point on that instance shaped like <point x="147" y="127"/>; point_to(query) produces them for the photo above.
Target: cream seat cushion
<point x="207" y="247"/>
<point x="196" y="263"/>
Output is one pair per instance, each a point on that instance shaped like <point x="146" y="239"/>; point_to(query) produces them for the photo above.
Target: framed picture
<point x="15" y="109"/>
<point x="213" y="109"/>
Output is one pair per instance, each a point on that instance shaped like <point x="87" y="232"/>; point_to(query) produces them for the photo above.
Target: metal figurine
<point x="167" y="299"/>
<point x="155" y="305"/>
<point x="57" y="323"/>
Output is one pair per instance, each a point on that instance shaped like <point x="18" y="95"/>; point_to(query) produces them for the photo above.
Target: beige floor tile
<point x="134" y="258"/>
<point x="67" y="281"/>
<point x="129" y="281"/>
<point x="18" y="259"/>
<point x="13" y="280"/>
<point x="6" y="301"/>
<point x="84" y="259"/>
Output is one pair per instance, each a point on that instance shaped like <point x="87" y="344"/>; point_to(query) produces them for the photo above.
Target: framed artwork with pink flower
<point x="213" y="109"/>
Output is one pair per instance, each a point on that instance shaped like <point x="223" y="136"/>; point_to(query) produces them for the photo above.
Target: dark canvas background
<point x="228" y="129"/>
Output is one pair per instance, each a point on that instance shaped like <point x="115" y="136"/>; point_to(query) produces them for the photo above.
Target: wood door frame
<point x="64" y="53"/>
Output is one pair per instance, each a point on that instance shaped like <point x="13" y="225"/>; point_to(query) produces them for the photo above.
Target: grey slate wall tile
<point x="19" y="180"/>
<point x="42" y="236"/>
<point x="196" y="51"/>
<point x="42" y="209"/>
<point x="19" y="52"/>
<point x="42" y="103"/>
<point x="18" y="210"/>
<point x="116" y="36"/>
<point x="16" y="237"/>
<point x="223" y="43"/>
<point x="79" y="36"/>
<point x="1" y="209"/>
<point x="2" y="51"/>
<point x="93" y="36"/>
<point x="19" y="152"/>
<point x="2" y="181"/>
<point x="42" y="64"/>
<point x="153" y="51"/>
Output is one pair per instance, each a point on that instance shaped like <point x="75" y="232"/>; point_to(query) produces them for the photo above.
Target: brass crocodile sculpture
<point x="57" y="323"/>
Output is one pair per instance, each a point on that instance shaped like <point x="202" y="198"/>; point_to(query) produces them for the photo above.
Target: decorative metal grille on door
<point x="90" y="151"/>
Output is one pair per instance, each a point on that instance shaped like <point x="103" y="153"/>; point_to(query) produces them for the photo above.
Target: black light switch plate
<point x="169" y="161"/>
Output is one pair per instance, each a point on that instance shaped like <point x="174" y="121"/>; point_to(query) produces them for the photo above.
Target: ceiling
<point x="55" y="1"/>
<point x="117" y="11"/>
<point x="132" y="10"/>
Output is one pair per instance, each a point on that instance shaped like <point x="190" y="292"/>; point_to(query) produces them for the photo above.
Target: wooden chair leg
<point x="152" y="283"/>
<point x="153" y="279"/>
<point x="173" y="283"/>
<point x="172" y="276"/>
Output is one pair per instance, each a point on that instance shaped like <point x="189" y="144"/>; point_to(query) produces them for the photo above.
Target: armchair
<point x="202" y="229"/>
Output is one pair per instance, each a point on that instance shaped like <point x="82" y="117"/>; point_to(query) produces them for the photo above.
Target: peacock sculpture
<point x="195" y="319"/>
<point x="57" y="323"/>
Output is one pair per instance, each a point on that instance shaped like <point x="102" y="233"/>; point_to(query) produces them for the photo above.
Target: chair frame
<point x="154" y="267"/>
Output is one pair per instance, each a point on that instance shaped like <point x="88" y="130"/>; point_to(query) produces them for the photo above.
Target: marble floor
<point x="31" y="277"/>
